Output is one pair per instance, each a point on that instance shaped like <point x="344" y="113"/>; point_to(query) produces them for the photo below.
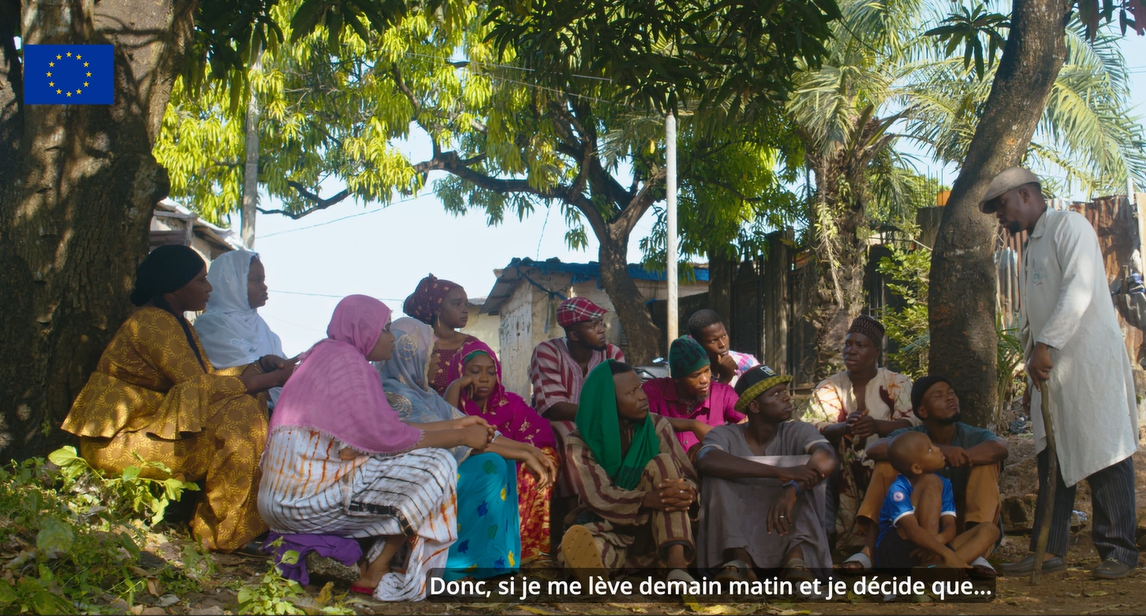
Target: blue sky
<point x="363" y="248"/>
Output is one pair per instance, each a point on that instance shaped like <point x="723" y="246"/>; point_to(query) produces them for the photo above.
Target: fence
<point x="772" y="296"/>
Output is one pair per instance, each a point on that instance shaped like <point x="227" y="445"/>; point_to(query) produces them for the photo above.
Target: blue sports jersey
<point x="897" y="503"/>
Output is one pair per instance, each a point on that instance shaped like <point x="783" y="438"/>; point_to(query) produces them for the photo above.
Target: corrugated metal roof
<point x="508" y="277"/>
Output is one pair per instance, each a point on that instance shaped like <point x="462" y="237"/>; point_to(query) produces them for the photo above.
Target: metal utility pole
<point x="670" y="213"/>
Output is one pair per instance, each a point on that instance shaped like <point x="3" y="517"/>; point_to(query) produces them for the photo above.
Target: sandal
<point x="679" y="575"/>
<point x="581" y="554"/>
<point x="863" y="560"/>
<point x="796" y="570"/>
<point x="735" y="571"/>
<point x="982" y="569"/>
<point x="361" y="590"/>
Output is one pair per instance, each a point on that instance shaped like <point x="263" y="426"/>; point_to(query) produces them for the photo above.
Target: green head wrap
<point x="600" y="427"/>
<point x="686" y="356"/>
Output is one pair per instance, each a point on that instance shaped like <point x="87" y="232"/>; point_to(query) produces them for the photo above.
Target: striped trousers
<point x="1112" y="501"/>
<point x="646" y="545"/>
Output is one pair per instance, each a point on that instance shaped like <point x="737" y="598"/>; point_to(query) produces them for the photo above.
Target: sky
<point x="353" y="247"/>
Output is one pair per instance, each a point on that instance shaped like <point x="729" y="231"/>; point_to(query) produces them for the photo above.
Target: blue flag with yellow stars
<point x="68" y="75"/>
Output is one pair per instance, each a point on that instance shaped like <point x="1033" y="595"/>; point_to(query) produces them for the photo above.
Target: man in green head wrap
<point x="690" y="398"/>
<point x="634" y="482"/>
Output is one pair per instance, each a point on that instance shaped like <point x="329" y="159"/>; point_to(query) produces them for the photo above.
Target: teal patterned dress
<point x="489" y="529"/>
<point x="489" y="525"/>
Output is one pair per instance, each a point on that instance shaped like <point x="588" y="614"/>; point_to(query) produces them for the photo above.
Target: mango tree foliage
<point x="507" y="145"/>
<point x="327" y="111"/>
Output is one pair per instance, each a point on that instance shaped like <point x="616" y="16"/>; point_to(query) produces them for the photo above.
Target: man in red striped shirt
<point x="559" y="366"/>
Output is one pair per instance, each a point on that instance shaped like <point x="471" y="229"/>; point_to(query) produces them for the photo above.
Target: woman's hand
<point x="475" y="436"/>
<point x="474" y="420"/>
<point x="537" y="467"/>
<point x="780" y="516"/>
<point x="281" y="374"/>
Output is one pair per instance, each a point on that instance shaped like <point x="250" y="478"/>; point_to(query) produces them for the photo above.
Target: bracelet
<point x="793" y="484"/>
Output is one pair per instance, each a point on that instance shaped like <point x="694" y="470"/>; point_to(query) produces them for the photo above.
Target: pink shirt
<point x="715" y="410"/>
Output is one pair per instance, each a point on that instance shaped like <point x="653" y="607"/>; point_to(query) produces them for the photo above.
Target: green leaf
<point x="55" y="538"/>
<point x="63" y="456"/>
<point x="131" y="473"/>
<point x="7" y="592"/>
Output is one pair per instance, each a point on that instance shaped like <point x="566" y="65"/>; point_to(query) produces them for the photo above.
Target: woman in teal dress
<point x="489" y="535"/>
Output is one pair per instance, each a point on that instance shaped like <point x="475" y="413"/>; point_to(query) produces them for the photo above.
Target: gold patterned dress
<point x="150" y="395"/>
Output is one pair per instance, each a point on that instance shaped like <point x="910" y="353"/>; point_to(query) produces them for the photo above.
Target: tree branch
<point x="320" y="203"/>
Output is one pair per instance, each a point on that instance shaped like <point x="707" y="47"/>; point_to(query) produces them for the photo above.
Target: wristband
<point x="793" y="484"/>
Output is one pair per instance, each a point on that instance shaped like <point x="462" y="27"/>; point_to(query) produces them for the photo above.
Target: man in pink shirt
<point x="690" y="398"/>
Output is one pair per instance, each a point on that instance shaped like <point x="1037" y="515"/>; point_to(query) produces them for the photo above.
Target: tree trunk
<point x="251" y="172"/>
<point x="840" y="247"/>
<point x="721" y="271"/>
<point x="78" y="185"/>
<point x="962" y="296"/>
<point x="640" y="332"/>
<point x="250" y="204"/>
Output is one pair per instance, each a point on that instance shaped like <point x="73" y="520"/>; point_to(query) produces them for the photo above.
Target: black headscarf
<point x="166" y="270"/>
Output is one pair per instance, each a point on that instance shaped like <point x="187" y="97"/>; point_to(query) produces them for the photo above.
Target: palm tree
<point x="884" y="82"/>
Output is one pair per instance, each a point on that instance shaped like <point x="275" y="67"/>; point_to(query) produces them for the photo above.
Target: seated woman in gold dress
<point x="155" y="394"/>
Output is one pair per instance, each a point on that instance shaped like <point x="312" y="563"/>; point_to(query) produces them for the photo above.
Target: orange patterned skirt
<point x="534" y="507"/>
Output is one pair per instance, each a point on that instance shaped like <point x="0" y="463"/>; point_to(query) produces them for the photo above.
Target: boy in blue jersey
<point x="917" y="522"/>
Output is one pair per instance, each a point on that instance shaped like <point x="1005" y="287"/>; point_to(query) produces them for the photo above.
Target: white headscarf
<point x="231" y="331"/>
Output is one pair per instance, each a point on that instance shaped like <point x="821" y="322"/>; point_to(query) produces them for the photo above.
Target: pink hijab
<point x="335" y="389"/>
<point x="504" y="409"/>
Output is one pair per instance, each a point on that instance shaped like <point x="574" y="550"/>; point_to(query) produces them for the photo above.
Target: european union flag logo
<point x="69" y="75"/>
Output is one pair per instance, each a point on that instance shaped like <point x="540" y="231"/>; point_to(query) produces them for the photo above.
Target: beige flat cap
<point x="1008" y="179"/>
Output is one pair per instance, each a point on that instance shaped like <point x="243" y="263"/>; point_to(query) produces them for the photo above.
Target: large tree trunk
<point x="640" y="332"/>
<point x="78" y="185"/>
<point x="962" y="297"/>
<point x="839" y="243"/>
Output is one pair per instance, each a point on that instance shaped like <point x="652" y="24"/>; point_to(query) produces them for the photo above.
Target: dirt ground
<point x="1070" y="592"/>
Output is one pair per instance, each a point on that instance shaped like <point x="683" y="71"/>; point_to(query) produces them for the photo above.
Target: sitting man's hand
<point x="807" y="476"/>
<point x="861" y="425"/>
<point x="727" y="368"/>
<point x="956" y="456"/>
<point x="671" y="495"/>
<point x="780" y="516"/>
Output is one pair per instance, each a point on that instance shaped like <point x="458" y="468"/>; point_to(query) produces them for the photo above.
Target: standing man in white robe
<point x="1075" y="354"/>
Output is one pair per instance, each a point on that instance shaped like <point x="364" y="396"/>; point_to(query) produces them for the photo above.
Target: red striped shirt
<point x="556" y="376"/>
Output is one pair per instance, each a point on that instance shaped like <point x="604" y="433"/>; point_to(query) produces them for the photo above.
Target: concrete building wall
<point x="484" y="327"/>
<point x="515" y="335"/>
